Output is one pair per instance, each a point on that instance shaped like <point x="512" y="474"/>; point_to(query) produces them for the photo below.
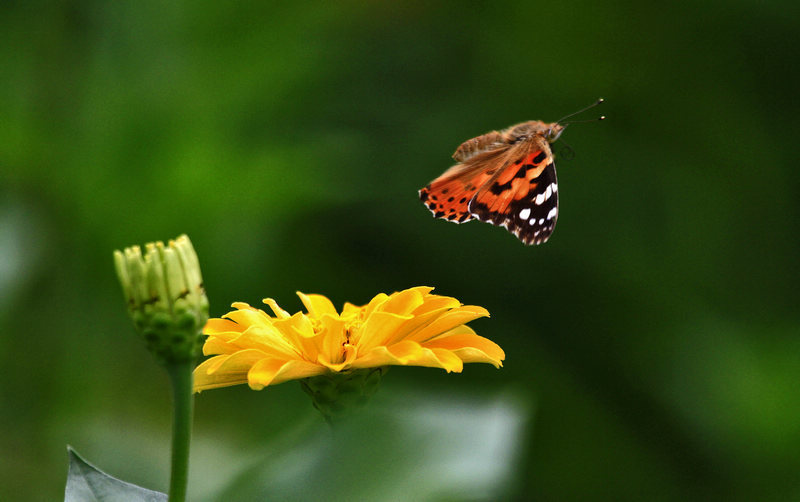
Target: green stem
<point x="180" y="375"/>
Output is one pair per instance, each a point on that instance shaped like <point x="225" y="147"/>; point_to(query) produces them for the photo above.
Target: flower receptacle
<point x="337" y="394"/>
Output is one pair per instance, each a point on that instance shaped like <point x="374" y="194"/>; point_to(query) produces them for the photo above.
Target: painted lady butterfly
<point x="505" y="178"/>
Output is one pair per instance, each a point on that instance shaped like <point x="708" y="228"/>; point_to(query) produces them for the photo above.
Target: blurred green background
<point x="653" y="344"/>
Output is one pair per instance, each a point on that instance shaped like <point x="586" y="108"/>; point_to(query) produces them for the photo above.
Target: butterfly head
<point x="553" y="131"/>
<point x="534" y="128"/>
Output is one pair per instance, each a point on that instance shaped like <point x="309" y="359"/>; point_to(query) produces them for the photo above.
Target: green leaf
<point x="87" y="483"/>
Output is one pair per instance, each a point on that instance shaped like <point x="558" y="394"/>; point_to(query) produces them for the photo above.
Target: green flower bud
<point x="166" y="298"/>
<point x="336" y="394"/>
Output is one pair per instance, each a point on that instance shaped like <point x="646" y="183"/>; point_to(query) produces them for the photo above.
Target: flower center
<point x="351" y="331"/>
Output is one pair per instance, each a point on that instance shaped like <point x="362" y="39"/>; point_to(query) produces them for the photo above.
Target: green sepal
<point x="337" y="394"/>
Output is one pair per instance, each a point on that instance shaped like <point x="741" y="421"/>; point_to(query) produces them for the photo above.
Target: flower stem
<point x="180" y="374"/>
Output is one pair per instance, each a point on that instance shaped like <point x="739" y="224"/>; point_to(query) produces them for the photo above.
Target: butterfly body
<point x="506" y="178"/>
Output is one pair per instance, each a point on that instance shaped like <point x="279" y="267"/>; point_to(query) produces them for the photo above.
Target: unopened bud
<point x="165" y="296"/>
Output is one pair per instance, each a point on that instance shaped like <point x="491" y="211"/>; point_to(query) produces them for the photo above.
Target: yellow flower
<point x="409" y="328"/>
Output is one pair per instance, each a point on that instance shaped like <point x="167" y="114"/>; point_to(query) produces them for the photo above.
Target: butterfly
<point x="506" y="178"/>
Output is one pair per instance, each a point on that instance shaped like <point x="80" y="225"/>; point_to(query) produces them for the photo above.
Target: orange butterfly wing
<point x="523" y="197"/>
<point x="449" y="195"/>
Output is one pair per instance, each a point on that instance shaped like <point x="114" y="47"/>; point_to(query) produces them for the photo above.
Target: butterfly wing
<point x="523" y="196"/>
<point x="448" y="196"/>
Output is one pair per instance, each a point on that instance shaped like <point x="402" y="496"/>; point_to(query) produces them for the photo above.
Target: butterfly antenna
<point x="581" y="111"/>
<point x="601" y="117"/>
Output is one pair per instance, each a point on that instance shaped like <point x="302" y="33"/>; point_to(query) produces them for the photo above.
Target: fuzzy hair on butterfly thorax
<point x="508" y="136"/>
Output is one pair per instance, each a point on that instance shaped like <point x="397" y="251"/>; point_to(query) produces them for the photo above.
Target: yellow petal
<point x="249" y="316"/>
<point x="473" y="355"/>
<point x="470" y="348"/>
<point x="425" y="290"/>
<point x="222" y="371"/>
<point x="218" y="345"/>
<point x="204" y="381"/>
<point x="413" y="325"/>
<point x="214" y="326"/>
<point x="409" y="353"/>
<point x="332" y="338"/>
<point x="379" y="356"/>
<point x="435" y="302"/>
<point x="298" y="325"/>
<point x="346" y="357"/>
<point x="448" y="321"/>
<point x="273" y="372"/>
<point x="267" y="339"/>
<point x="237" y="362"/>
<point x="378" y="328"/>
<point x="350" y="310"/>
<point x="375" y="303"/>
<point x="448" y="360"/>
<point x="317" y="305"/>
<point x="279" y="312"/>
<point x="405" y="301"/>
<point x="299" y="331"/>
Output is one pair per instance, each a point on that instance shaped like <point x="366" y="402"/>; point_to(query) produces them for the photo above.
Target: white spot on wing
<point x="552" y="214"/>
<point x="524" y="213"/>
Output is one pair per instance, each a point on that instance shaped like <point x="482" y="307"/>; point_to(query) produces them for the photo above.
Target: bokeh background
<point x="653" y="344"/>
